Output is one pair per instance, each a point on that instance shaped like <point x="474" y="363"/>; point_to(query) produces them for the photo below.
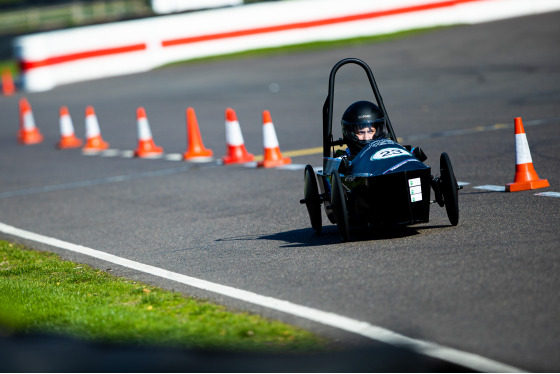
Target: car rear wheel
<point x="312" y="199"/>
<point x="449" y="189"/>
<point x="338" y="202"/>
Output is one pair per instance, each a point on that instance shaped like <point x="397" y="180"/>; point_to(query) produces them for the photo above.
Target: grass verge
<point x="39" y="292"/>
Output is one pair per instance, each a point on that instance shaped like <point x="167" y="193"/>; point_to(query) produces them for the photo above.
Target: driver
<point x="362" y="122"/>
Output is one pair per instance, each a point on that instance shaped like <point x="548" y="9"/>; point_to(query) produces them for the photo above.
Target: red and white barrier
<point x="65" y="56"/>
<point x="175" y="6"/>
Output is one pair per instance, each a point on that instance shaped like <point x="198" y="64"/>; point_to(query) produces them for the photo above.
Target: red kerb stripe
<point x="307" y="24"/>
<point x="27" y="65"/>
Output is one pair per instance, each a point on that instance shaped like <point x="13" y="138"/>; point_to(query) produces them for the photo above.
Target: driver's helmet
<point x="360" y="115"/>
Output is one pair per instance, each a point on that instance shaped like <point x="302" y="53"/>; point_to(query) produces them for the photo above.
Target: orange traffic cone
<point x="8" y="87"/>
<point x="94" y="141"/>
<point x="28" y="133"/>
<point x="526" y="177"/>
<point x="68" y="138"/>
<point x="272" y="155"/>
<point x="196" y="150"/>
<point x="146" y="146"/>
<point x="235" y="145"/>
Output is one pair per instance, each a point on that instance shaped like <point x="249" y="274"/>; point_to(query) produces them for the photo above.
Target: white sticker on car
<point x="415" y="198"/>
<point x="415" y="190"/>
<point x="414" y="182"/>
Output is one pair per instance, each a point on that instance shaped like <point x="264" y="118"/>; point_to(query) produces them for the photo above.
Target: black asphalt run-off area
<point x="488" y="286"/>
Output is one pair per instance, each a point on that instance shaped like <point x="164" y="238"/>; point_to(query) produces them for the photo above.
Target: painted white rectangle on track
<point x="468" y="360"/>
<point x="549" y="193"/>
<point x="110" y="153"/>
<point x="174" y="157"/>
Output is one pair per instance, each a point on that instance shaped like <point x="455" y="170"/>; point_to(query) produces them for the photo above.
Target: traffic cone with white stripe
<point x="526" y="177"/>
<point x="28" y="133"/>
<point x="272" y="155"/>
<point x="146" y="146"/>
<point x="196" y="150"/>
<point x="68" y="137"/>
<point x="94" y="141"/>
<point x="235" y="145"/>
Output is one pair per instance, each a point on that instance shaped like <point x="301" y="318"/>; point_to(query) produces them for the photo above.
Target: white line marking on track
<point x="490" y="187"/>
<point x="127" y="154"/>
<point x="468" y="360"/>
<point x="291" y="167"/>
<point x="251" y="164"/>
<point x="91" y="153"/>
<point x="111" y="153"/>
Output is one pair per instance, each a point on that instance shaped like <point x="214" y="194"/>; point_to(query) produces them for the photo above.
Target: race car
<point x="384" y="184"/>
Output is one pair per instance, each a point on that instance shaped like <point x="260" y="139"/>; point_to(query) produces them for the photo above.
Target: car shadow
<point x="294" y="238"/>
<point x="308" y="238"/>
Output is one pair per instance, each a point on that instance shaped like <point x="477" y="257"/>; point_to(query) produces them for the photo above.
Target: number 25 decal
<point x="388" y="153"/>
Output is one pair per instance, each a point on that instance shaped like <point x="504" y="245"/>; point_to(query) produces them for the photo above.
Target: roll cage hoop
<point x="328" y="106"/>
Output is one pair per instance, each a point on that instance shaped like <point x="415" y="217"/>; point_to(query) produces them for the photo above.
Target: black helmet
<point x="357" y="116"/>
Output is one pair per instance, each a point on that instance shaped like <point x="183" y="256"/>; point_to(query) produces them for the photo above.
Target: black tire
<point x="312" y="199"/>
<point x="449" y="189"/>
<point x="338" y="202"/>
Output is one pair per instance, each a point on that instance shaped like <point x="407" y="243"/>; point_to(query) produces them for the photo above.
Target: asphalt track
<point x="488" y="286"/>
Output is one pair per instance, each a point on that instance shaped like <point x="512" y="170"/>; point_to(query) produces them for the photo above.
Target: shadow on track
<point x="308" y="238"/>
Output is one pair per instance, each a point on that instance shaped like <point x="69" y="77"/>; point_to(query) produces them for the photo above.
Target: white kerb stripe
<point x="144" y="132"/>
<point x="522" y="152"/>
<point x="28" y="121"/>
<point x="233" y="134"/>
<point x="92" y="127"/>
<point x="465" y="359"/>
<point x="269" y="136"/>
<point x="66" y="126"/>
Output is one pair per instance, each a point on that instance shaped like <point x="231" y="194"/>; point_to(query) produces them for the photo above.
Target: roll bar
<point x="328" y="105"/>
